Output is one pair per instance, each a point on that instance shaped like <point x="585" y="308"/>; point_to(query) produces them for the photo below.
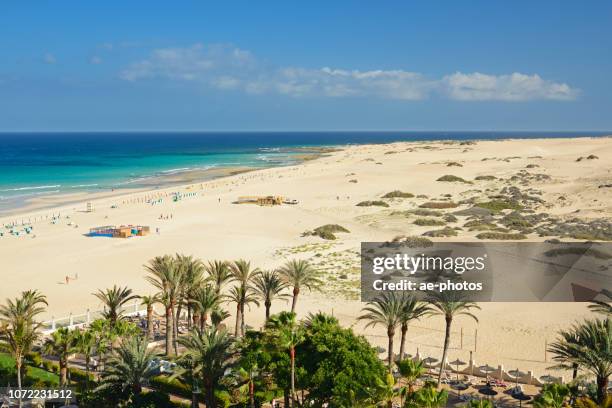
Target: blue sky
<point x="310" y="65"/>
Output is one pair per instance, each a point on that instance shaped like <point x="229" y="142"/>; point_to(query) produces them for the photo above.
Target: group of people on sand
<point x="166" y="216"/>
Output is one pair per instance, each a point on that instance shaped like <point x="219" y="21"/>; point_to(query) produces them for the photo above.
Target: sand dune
<point x="209" y="226"/>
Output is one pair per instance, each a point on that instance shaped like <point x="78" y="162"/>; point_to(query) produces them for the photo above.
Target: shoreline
<point x="59" y="202"/>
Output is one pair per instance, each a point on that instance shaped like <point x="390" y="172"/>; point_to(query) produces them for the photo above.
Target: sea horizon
<point x="32" y="164"/>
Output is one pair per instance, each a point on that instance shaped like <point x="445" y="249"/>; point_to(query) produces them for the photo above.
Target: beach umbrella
<point x="521" y="397"/>
<point x="548" y="379"/>
<point x="488" y="391"/>
<point x="517" y="374"/>
<point x="460" y="386"/>
<point x="430" y="360"/>
<point x="487" y="369"/>
<point x="457" y="363"/>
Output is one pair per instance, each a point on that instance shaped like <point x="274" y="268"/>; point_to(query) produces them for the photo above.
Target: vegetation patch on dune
<point x="454" y="164"/>
<point x="495" y="206"/>
<point x="327" y="231"/>
<point x="398" y="194"/>
<point x="453" y="179"/>
<point x="444" y="232"/>
<point x="412" y="241"/>
<point x="485" y="178"/>
<point x="500" y="236"/>
<point x="374" y="203"/>
<point x="428" y="222"/>
<point x="439" y="204"/>
<point x="423" y="212"/>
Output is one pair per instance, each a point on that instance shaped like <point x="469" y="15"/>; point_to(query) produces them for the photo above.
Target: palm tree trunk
<point x="403" y="341"/>
<point x="449" y="321"/>
<point x="602" y="388"/>
<point x="210" y="396"/>
<point x="169" y="330"/>
<point x="194" y="400"/>
<point x="252" y="393"/>
<point x="237" y="320"/>
<point x="176" y="318"/>
<point x="292" y="353"/>
<point x="268" y="306"/>
<point x="296" y="292"/>
<point x="242" y="319"/>
<point x="18" y="364"/>
<point x="150" y="322"/>
<point x="390" y="334"/>
<point x="188" y="316"/>
<point x="63" y="373"/>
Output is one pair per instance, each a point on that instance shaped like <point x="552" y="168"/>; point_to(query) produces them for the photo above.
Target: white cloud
<point x="513" y="87"/>
<point x="228" y="68"/>
<point x="49" y="58"/>
<point x="95" y="60"/>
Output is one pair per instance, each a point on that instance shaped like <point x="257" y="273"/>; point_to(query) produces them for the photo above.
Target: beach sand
<point x="207" y="225"/>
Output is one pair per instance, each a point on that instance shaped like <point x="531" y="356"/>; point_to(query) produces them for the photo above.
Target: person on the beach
<point x="67" y="279"/>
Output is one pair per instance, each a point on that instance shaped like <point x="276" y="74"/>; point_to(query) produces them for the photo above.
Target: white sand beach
<point x="208" y="225"/>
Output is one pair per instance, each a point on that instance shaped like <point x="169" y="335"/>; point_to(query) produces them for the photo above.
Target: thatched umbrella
<point x="521" y="397"/>
<point x="517" y="374"/>
<point x="457" y="363"/>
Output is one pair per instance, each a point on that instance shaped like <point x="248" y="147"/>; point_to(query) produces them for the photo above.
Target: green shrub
<point x="421" y="212"/>
<point x="439" y="204"/>
<point x="485" y="178"/>
<point x="164" y="384"/>
<point x="34" y="359"/>
<point x="428" y="222"/>
<point x="453" y="179"/>
<point x="413" y="241"/>
<point x="496" y="206"/>
<point x="398" y="194"/>
<point x="500" y="236"/>
<point x="326" y="231"/>
<point x="454" y="164"/>
<point x="449" y="218"/>
<point x="375" y="203"/>
<point x="444" y="232"/>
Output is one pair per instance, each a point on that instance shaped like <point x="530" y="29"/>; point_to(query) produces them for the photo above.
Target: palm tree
<point x="384" y="310"/>
<point x="288" y="334"/>
<point x="209" y="352"/>
<point x="219" y="274"/>
<point x="481" y="403"/>
<point x="113" y="300"/>
<point x="18" y="327"/>
<point x="167" y="278"/>
<point x="603" y="307"/>
<point x="192" y="278"/>
<point x="149" y="301"/>
<point x="243" y="274"/>
<point x="85" y="343"/>
<point x="585" y="402"/>
<point x="319" y="319"/>
<point x="429" y="397"/>
<point x="129" y="368"/>
<point x="386" y="391"/>
<point x="449" y="305"/>
<point x="411" y="370"/>
<point x="61" y="344"/>
<point x="204" y="301"/>
<point x="299" y="274"/>
<point x="552" y="396"/>
<point x="411" y="309"/>
<point x="241" y="295"/>
<point x="269" y="286"/>
<point x="588" y="346"/>
<point x="218" y="315"/>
